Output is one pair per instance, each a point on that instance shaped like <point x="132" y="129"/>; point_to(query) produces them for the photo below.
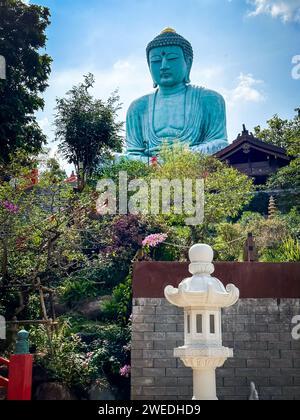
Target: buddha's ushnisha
<point x="176" y="110"/>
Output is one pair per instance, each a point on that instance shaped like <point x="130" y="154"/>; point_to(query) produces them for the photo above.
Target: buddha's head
<point x="170" y="59"/>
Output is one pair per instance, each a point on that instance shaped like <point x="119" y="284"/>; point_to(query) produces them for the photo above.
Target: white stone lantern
<point x="202" y="297"/>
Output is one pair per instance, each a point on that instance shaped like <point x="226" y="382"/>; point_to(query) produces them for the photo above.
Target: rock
<point x="2" y="394"/>
<point x="39" y="375"/>
<point x="52" y="391"/>
<point x="60" y="308"/>
<point x="100" y="393"/>
<point x="93" y="310"/>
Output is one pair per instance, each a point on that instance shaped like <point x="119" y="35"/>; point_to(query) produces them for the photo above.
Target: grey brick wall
<point x="259" y="331"/>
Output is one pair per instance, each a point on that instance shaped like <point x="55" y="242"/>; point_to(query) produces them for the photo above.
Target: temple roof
<point x="247" y="140"/>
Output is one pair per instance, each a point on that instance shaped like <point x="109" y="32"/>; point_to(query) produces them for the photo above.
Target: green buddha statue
<point x="176" y="110"/>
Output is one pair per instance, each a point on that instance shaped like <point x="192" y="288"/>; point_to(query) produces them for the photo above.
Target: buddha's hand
<point x="211" y="147"/>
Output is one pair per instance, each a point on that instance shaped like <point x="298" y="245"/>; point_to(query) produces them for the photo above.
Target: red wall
<point x="255" y="280"/>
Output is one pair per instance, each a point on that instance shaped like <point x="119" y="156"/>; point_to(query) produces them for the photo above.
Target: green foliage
<point x="268" y="233"/>
<point x="287" y="251"/>
<point x="120" y="306"/>
<point x="249" y="219"/>
<point x="22" y="36"/>
<point x="287" y="179"/>
<point x="227" y="191"/>
<point x="282" y="133"/>
<point x="40" y="231"/>
<point x="229" y="241"/>
<point x="107" y="349"/>
<point x="292" y="220"/>
<point x="111" y="350"/>
<point x="61" y="354"/>
<point x="134" y="169"/>
<point x="75" y="290"/>
<point x="286" y="134"/>
<point x="87" y="128"/>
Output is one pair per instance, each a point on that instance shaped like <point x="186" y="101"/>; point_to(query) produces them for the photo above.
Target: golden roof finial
<point x="168" y="30"/>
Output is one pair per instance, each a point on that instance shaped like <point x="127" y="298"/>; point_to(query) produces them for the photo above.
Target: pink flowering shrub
<point x="154" y="240"/>
<point x="10" y="207"/>
<point x="125" y="371"/>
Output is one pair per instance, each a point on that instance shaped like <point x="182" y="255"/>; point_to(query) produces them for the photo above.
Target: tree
<point x="286" y="134"/>
<point x="40" y="236"/>
<point x="283" y="133"/>
<point x="287" y="182"/>
<point x="22" y="35"/>
<point x="226" y="191"/>
<point x="87" y="128"/>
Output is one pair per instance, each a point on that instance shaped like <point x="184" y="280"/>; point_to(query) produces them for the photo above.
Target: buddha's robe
<point x="204" y="124"/>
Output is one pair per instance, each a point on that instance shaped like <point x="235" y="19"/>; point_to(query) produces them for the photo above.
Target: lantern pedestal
<point x="202" y="297"/>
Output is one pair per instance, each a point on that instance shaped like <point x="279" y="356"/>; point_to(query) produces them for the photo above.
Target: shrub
<point x="120" y="306"/>
<point x="75" y="290"/>
<point x="229" y="241"/>
<point x="61" y="354"/>
<point x="288" y="251"/>
<point x="110" y="352"/>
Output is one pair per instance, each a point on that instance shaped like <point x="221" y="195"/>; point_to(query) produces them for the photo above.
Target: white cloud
<point x="286" y="10"/>
<point x="246" y="90"/>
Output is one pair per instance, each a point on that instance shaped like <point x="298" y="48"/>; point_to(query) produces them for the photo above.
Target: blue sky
<point x="243" y="49"/>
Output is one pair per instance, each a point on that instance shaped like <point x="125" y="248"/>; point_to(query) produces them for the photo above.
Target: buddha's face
<point x="168" y="66"/>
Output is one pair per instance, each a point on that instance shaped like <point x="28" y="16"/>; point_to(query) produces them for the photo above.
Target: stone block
<point x="136" y="354"/>
<point x="225" y="372"/>
<point x="174" y="336"/>
<point x="154" y="372"/>
<point x="165" y="363"/>
<point x="165" y="327"/>
<point x="141" y="345"/>
<point x="273" y="337"/>
<point x="135" y="372"/>
<point x="167" y="310"/>
<point x="142" y="363"/>
<point x="270" y="391"/>
<point x="165" y="381"/>
<point x="178" y="372"/>
<point x="245" y="354"/>
<point x="242" y="391"/>
<point x="142" y="327"/>
<point x="264" y="372"/>
<point x="158" y="354"/>
<point x="281" y="381"/>
<point x="137" y="336"/>
<point x="143" y="310"/>
<point x="164" y="345"/>
<point x="290" y="372"/>
<point x="235" y="381"/>
<point x="281" y="363"/>
<point x="290" y="354"/>
<point x="136" y="390"/>
<point x="187" y="381"/>
<point x="226" y="391"/>
<point x="268" y="354"/>
<point x="154" y="336"/>
<point x="279" y="345"/>
<point x="142" y="381"/>
<point x="258" y="363"/>
<point x="278" y="328"/>
<point x="244" y="336"/>
<point x="247" y="372"/>
<point x="180" y="328"/>
<point x="257" y="328"/>
<point x="235" y="363"/>
<point x="160" y="391"/>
